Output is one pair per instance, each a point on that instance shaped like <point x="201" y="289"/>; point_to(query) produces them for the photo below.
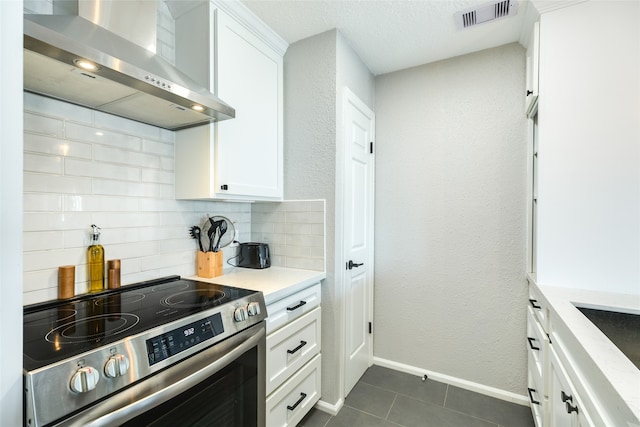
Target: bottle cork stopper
<point x="66" y="281"/>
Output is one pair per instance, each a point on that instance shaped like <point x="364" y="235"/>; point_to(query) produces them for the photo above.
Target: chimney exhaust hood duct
<point x="128" y="81"/>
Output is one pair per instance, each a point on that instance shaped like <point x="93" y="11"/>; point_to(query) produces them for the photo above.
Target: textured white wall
<point x="309" y="163"/>
<point x="450" y="287"/>
<point x="316" y="69"/>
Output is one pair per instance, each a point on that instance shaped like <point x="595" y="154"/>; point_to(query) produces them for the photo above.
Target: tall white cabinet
<point x="588" y="180"/>
<point x="583" y="102"/>
<point x="222" y="45"/>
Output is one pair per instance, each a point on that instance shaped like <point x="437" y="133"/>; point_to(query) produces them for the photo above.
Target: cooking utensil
<point x="222" y="228"/>
<point x="196" y="233"/>
<point x="211" y="234"/>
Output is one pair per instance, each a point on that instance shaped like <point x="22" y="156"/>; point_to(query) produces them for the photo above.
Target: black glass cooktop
<point x="62" y="329"/>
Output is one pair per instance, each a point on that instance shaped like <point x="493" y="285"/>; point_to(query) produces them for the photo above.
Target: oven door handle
<point x="171" y="382"/>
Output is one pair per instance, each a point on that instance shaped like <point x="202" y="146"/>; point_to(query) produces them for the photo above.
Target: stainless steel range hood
<point x="130" y="81"/>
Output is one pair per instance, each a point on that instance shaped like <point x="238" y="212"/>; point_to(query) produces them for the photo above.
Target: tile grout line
<point x="391" y="407"/>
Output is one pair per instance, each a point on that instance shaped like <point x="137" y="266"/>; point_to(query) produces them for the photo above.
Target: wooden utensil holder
<point x="209" y="264"/>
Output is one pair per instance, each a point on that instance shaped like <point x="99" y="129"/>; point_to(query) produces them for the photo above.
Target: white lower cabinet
<point x="566" y="407"/>
<point x="293" y="357"/>
<point x="537" y="357"/>
<point x="291" y="402"/>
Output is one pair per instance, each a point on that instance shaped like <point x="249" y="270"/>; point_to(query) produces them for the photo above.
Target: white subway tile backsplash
<point x="86" y="133"/>
<point x="87" y="203"/>
<point x="41" y="260"/>
<point x="43" y="183"/>
<point x="157" y="147"/>
<point x="49" y="145"/>
<point x="55" y="108"/>
<point x="35" y="202"/>
<point x="122" y="188"/>
<point x="294" y="231"/>
<point x="43" y="125"/>
<point x="40" y="163"/>
<point x="126" y="219"/>
<point x="73" y="167"/>
<point x="161" y="177"/>
<point x="42" y="240"/>
<point x="126" y="157"/>
<point x="46" y="221"/>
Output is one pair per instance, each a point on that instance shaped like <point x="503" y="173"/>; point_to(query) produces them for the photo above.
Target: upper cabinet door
<point x="249" y="76"/>
<point x="533" y="49"/>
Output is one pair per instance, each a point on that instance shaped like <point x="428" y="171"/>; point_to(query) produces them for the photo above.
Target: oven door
<point x="223" y="385"/>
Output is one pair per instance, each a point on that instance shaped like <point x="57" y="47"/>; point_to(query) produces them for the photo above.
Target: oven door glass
<point x="227" y="399"/>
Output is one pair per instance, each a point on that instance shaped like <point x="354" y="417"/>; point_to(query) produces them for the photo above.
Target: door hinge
<point x="370" y="327"/>
<point x="371" y="147"/>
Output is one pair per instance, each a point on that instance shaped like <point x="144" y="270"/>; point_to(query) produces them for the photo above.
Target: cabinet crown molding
<point x="247" y="18"/>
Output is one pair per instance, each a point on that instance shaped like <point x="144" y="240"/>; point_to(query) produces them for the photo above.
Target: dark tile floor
<point x="388" y="398"/>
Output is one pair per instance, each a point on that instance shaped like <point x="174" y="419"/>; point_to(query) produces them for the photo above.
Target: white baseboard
<point x="467" y="385"/>
<point x="330" y="409"/>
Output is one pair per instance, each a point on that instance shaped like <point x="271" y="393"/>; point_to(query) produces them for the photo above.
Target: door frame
<point x="340" y="250"/>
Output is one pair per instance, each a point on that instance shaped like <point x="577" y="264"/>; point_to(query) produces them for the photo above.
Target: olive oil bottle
<point x="95" y="261"/>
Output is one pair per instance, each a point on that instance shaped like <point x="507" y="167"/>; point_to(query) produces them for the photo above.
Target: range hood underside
<point x="67" y="83"/>
<point x="131" y="82"/>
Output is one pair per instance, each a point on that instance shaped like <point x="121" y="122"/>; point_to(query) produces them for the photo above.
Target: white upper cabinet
<point x="241" y="158"/>
<point x="533" y="49"/>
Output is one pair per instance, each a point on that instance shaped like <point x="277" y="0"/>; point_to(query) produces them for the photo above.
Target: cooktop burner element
<point x="93" y="328"/>
<point x="62" y="329"/>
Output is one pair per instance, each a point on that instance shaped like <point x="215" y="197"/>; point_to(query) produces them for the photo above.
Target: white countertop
<point x="618" y="370"/>
<point x="274" y="282"/>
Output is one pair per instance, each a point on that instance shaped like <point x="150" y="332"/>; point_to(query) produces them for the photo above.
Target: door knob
<point x="351" y="265"/>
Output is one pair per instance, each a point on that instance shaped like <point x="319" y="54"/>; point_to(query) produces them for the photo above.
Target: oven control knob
<point x="85" y="379"/>
<point x="116" y="366"/>
<point x="253" y="308"/>
<point x="240" y="314"/>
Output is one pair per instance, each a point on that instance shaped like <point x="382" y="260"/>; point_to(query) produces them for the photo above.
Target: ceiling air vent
<point x="485" y="13"/>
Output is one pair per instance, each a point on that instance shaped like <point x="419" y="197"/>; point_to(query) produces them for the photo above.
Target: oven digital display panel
<point x="163" y="346"/>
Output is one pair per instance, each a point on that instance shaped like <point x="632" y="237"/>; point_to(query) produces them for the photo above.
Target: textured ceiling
<point x="391" y="35"/>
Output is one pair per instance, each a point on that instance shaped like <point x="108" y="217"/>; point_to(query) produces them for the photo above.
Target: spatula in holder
<point x="209" y="264"/>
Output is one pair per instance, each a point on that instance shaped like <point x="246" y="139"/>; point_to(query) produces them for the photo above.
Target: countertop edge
<point x="275" y="283"/>
<point x="613" y="365"/>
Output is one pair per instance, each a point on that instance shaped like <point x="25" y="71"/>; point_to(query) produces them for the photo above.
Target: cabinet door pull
<point x="533" y="347"/>
<point x="571" y="408"/>
<point x="566" y="397"/>
<point x="529" y="92"/>
<point x="295" y="405"/>
<point x="533" y="303"/>
<point x="297" y="306"/>
<point x="533" y="401"/>
<point x="302" y="344"/>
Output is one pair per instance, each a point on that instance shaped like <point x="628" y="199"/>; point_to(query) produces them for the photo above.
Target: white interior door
<point x="358" y="237"/>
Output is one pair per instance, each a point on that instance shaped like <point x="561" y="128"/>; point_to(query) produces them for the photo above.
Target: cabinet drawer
<point x="537" y="400"/>
<point x="537" y="347"/>
<point x="291" y="402"/>
<point x="539" y="307"/>
<point x="287" y="309"/>
<point x="290" y="347"/>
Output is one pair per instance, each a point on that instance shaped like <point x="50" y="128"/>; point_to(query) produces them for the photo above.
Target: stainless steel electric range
<point x="164" y="353"/>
